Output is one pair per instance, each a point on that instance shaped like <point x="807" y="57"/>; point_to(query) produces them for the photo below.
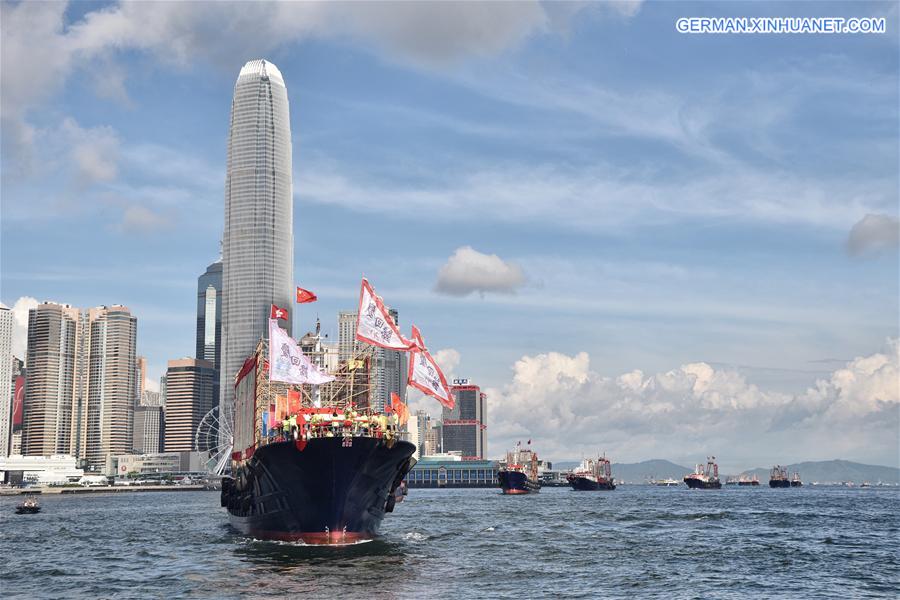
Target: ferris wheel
<point x="215" y="437"/>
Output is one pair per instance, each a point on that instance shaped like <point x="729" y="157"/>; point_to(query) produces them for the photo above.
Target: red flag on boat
<point x="374" y="325"/>
<point x="399" y="407"/>
<point x="424" y="373"/>
<point x="278" y="313"/>
<point x="294" y="402"/>
<point x="304" y="296"/>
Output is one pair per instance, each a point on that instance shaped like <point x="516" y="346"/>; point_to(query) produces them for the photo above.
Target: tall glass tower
<point x="258" y="244"/>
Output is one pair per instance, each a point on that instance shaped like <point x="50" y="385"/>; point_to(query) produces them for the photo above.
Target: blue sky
<point x="667" y="199"/>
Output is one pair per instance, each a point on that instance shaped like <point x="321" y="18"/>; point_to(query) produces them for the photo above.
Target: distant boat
<point x="592" y="475"/>
<point x="704" y="479"/>
<point x="744" y="480"/>
<point x="29" y="506"/>
<point x="520" y="474"/>
<point x="778" y="478"/>
<point x="665" y="482"/>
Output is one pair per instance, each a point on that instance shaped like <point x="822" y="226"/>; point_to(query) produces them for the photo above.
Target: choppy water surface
<point x="635" y="541"/>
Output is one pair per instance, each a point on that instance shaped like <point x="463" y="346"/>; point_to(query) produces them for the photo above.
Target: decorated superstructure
<point x="312" y="460"/>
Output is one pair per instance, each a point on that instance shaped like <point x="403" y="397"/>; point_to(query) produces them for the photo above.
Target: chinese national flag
<point x="294" y="402"/>
<point x="278" y="313"/>
<point x="304" y="296"/>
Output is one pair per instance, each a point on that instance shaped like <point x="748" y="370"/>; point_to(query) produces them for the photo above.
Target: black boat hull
<point x="326" y="493"/>
<point x="779" y="483"/>
<point x="514" y="482"/>
<point x="698" y="484"/>
<point x="27" y="510"/>
<point x="583" y="484"/>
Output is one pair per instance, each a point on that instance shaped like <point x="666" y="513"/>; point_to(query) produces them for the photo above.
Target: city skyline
<point x="611" y="261"/>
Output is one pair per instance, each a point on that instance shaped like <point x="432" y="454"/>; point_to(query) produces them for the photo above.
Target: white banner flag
<point x="287" y="363"/>
<point x="424" y="373"/>
<point x="373" y="323"/>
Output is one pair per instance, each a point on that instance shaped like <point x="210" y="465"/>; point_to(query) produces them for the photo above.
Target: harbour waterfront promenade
<point x="104" y="489"/>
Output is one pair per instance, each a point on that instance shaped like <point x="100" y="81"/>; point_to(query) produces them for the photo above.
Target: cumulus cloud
<point x="874" y="234"/>
<point x="468" y="271"/>
<point x="570" y="410"/>
<point x="20" y="325"/>
<point x="181" y="33"/>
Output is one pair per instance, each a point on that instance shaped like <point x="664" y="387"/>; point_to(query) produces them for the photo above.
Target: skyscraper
<point x="6" y="379"/>
<point x="463" y="427"/>
<point x="209" y="320"/>
<point x="189" y="395"/>
<point x="81" y="389"/>
<point x="258" y="242"/>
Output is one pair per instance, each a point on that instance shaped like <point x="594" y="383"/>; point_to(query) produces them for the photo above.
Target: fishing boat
<point x="778" y="478"/>
<point x="592" y="475"/>
<point x="520" y="473"/>
<point x="313" y="460"/>
<point x="743" y="480"/>
<point x="29" y="506"/>
<point x="795" y="480"/>
<point x="704" y="478"/>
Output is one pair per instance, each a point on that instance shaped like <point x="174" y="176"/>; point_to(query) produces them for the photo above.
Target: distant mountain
<point x="649" y="469"/>
<point x="831" y="471"/>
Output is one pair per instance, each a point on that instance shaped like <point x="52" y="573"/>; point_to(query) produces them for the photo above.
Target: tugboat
<point x="312" y="460"/>
<point x="520" y="475"/>
<point x="707" y="479"/>
<point x="779" y="477"/>
<point x="592" y="475"/>
<point x="29" y="506"/>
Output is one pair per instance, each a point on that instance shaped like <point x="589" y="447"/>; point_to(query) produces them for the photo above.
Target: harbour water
<point x="634" y="541"/>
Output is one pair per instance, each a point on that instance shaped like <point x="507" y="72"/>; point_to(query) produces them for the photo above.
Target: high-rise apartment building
<point x="258" y="242"/>
<point x="209" y="320"/>
<point x="463" y="427"/>
<point x="54" y="394"/>
<point x="6" y="380"/>
<point x="81" y="389"/>
<point x="189" y="396"/>
<point x="111" y="386"/>
<point x="388" y="367"/>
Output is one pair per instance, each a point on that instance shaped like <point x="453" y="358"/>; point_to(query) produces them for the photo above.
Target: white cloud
<point x="20" y="325"/>
<point x="874" y="234"/>
<point x="94" y="152"/>
<point x="569" y="409"/>
<point x="599" y="197"/>
<point x="468" y="271"/>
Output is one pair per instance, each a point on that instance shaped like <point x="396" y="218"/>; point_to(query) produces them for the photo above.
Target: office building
<point x="149" y="429"/>
<point x="189" y="396"/>
<point x="463" y="426"/>
<point x="209" y="320"/>
<point x="258" y="241"/>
